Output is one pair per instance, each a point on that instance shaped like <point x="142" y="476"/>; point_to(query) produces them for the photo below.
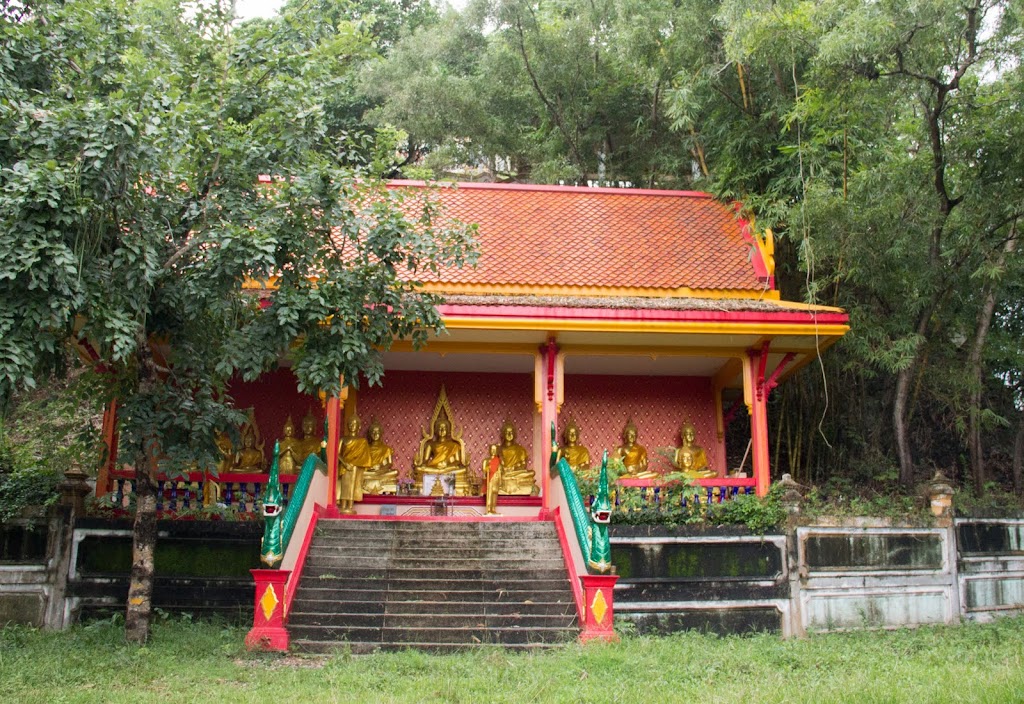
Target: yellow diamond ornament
<point x="599" y="607"/>
<point x="269" y="602"/>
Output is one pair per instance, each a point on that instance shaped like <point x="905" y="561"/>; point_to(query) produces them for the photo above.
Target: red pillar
<point x="548" y="413"/>
<point x="759" y="420"/>
<point x="598" y="598"/>
<point x="110" y="452"/>
<point x="333" y="437"/>
<point x="268" y="631"/>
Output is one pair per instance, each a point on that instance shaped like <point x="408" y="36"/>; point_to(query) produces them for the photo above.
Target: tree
<point x="133" y="138"/>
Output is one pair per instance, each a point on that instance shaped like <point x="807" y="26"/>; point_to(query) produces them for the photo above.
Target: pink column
<point x="268" y="631"/>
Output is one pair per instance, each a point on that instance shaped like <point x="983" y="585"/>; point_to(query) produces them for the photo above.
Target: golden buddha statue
<point x="633" y="455"/>
<point x="311" y="441"/>
<point x="516" y="476"/>
<point x="251" y="457"/>
<point x="379" y="477"/>
<point x="289" y="458"/>
<point x="442" y="453"/>
<point x="491" y="472"/>
<point x="575" y="454"/>
<point x="226" y="450"/>
<point x="690" y="458"/>
<point x="353" y="459"/>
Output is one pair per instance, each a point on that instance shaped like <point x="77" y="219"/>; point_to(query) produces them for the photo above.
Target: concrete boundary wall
<point x="991" y="579"/>
<point x="838" y="575"/>
<point x="848" y="574"/>
<point x="873" y="577"/>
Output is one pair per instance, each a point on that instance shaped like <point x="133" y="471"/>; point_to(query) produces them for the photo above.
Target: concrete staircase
<point x="433" y="585"/>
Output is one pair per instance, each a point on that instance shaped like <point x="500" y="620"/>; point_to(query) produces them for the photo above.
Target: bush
<point x="42" y="435"/>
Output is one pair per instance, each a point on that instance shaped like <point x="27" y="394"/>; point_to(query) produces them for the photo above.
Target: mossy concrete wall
<point x="843" y="574"/>
<point x="202" y="568"/>
<point x="28" y="569"/>
<point x="991" y="567"/>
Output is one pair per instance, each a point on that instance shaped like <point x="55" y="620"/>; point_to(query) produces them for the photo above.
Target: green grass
<point x="198" y="662"/>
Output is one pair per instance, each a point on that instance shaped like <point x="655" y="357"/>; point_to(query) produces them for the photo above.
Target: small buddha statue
<point x="516" y="476"/>
<point x="633" y="455"/>
<point x="379" y="477"/>
<point x="290" y="457"/>
<point x="440" y="454"/>
<point x="690" y="457"/>
<point x="310" y="443"/>
<point x="491" y="471"/>
<point x="353" y="459"/>
<point x="575" y="454"/>
<point x="226" y="450"/>
<point x="250" y="458"/>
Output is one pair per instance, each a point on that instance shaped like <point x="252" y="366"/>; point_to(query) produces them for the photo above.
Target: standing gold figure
<point x="353" y="459"/>
<point x="492" y="480"/>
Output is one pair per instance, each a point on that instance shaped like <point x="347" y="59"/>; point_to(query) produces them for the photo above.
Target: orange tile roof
<point x="560" y="236"/>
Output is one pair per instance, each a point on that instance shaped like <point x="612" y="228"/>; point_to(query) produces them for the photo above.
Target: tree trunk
<point x="140" y="591"/>
<point x="139" y="609"/>
<point x="988" y="307"/>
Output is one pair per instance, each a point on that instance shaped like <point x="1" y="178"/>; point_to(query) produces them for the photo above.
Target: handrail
<point x="298" y="497"/>
<point x="591" y="527"/>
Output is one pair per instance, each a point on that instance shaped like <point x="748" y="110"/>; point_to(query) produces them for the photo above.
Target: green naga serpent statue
<point x="272" y="547"/>
<point x="592" y="529"/>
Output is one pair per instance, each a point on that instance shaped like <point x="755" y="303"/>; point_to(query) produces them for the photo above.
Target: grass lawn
<point x="199" y="662"/>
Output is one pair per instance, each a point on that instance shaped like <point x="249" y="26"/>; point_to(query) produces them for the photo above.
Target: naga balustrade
<point x="591" y="527"/>
<point x="238" y="490"/>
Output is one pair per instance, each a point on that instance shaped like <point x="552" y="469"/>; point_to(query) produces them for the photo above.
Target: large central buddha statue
<point x="380" y="477"/>
<point x="516" y="476"/>
<point x="633" y="455"/>
<point x="442" y="453"/>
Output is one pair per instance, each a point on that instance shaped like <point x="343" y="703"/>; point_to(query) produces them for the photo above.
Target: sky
<point x="247" y="9"/>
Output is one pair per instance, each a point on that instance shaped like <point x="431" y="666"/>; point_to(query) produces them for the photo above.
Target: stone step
<point x="356" y="565"/>
<point x="531" y="594"/>
<point x="444" y="586"/>
<point x="325" y="569"/>
<point x="463" y="635"/>
<point x="534" y="607"/>
<point x="418" y="531"/>
<point x="365" y="648"/>
<point x="514" y="549"/>
<point x="429" y="621"/>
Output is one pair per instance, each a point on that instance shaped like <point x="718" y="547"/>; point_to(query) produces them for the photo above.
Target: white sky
<point x="247" y="9"/>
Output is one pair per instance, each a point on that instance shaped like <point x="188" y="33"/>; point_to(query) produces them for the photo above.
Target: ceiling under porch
<point x="609" y="352"/>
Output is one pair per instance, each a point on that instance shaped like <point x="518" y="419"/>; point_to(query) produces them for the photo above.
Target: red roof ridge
<point x="549" y="188"/>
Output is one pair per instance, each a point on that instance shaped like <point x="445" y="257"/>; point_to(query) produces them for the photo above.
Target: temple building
<point x="639" y="323"/>
<point x="592" y="307"/>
